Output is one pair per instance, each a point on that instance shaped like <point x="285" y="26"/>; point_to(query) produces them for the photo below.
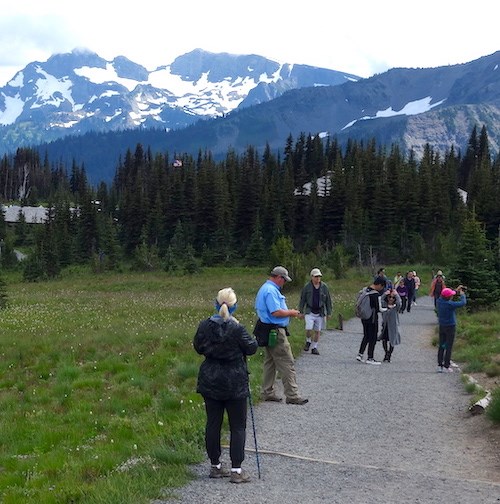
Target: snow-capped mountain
<point x="77" y="92"/>
<point x="95" y="110"/>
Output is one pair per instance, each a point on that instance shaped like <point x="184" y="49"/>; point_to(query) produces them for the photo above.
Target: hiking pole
<point x="254" y="433"/>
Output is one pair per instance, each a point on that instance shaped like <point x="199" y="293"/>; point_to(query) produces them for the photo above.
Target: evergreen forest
<point x="364" y="204"/>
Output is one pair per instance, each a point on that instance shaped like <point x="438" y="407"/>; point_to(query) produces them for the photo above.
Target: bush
<point x="493" y="410"/>
<point x="492" y="369"/>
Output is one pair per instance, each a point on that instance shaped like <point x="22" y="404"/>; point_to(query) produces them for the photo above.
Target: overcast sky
<point x="361" y="37"/>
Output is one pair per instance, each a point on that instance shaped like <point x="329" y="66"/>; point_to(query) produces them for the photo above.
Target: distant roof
<point x="32" y="215"/>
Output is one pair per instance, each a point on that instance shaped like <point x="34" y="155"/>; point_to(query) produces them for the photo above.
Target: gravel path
<point x="394" y="433"/>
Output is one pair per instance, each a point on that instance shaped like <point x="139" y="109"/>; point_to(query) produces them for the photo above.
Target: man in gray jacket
<point x="316" y="304"/>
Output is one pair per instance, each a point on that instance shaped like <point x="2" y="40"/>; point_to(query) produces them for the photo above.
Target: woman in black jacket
<point x="223" y="383"/>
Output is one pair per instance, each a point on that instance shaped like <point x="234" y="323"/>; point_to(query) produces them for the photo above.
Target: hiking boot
<point x="373" y="362"/>
<point x="223" y="472"/>
<point x="315" y="351"/>
<point x="271" y="398"/>
<point x="241" y="477"/>
<point x="297" y="400"/>
<point x="307" y="346"/>
<point x="359" y="357"/>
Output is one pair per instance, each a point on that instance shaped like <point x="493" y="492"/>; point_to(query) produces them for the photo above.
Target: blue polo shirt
<point x="268" y="300"/>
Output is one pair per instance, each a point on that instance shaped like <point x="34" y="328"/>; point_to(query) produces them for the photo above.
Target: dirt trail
<point x="394" y="433"/>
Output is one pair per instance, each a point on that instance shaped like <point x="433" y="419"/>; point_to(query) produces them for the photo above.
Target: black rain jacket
<point x="223" y="374"/>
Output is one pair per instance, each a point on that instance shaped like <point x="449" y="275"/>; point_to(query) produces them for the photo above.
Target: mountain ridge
<point x="408" y="106"/>
<point x="79" y="91"/>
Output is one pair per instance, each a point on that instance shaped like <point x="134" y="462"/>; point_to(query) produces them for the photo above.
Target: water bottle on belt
<point x="273" y="337"/>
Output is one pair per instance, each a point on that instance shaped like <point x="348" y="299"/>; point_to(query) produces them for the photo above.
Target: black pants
<point x="411" y="295"/>
<point x="370" y="330"/>
<point x="237" y="416"/>
<point x="404" y="300"/>
<point x="388" y="349"/>
<point x="446" y="339"/>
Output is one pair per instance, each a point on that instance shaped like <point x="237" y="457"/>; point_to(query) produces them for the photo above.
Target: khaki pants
<point x="280" y="358"/>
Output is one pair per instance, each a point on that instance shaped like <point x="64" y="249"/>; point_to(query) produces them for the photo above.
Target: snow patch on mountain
<point x="103" y="75"/>
<point x="52" y="91"/>
<point x="13" y="109"/>
<point x="411" y="108"/>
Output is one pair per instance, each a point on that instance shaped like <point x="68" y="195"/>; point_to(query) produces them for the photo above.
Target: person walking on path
<point x="403" y="294"/>
<point x="370" y="325"/>
<point x="437" y="285"/>
<point x="417" y="286"/>
<point x="381" y="273"/>
<point x="398" y="278"/>
<point x="316" y="305"/>
<point x="390" y="335"/>
<point x="223" y="383"/>
<point x="410" y="287"/>
<point x="447" y="325"/>
<point x="271" y="308"/>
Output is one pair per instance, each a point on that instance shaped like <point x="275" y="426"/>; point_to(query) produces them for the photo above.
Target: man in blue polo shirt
<point x="271" y="308"/>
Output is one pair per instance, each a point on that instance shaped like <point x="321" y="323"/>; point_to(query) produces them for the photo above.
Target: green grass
<point x="493" y="411"/>
<point x="477" y="348"/>
<point x="478" y="342"/>
<point x="98" y="379"/>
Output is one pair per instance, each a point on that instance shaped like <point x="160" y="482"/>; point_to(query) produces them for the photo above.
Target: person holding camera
<point x="447" y="319"/>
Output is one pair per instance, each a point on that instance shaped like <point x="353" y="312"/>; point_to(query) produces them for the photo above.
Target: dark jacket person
<point x="223" y="383"/>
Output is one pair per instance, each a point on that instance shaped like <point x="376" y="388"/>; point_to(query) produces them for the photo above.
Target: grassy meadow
<point x="98" y="378"/>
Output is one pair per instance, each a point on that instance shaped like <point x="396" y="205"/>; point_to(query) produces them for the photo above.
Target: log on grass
<point x="479" y="406"/>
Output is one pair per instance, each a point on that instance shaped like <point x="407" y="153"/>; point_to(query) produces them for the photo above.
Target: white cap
<point x="316" y="272"/>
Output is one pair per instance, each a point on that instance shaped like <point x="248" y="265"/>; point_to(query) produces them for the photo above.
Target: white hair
<point x="226" y="299"/>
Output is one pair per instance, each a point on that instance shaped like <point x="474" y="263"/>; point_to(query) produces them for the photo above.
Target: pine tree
<point x="3" y="293"/>
<point x="474" y="266"/>
<point x="255" y="252"/>
<point x="21" y="229"/>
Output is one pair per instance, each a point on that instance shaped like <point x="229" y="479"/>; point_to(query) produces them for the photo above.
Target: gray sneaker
<point x="223" y="472"/>
<point x="373" y="362"/>
<point x="242" y="477"/>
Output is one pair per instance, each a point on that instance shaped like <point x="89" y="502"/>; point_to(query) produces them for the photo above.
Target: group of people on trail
<point x="225" y="343"/>
<point x="407" y="287"/>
